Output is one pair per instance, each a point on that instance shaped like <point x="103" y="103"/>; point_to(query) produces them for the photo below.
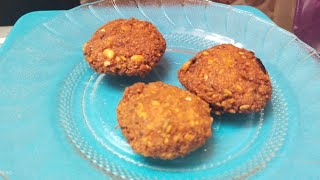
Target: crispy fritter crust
<point x="163" y="121"/>
<point x="229" y="78"/>
<point x="125" y="47"/>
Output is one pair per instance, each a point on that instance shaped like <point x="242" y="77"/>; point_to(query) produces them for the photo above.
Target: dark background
<point x="11" y="10"/>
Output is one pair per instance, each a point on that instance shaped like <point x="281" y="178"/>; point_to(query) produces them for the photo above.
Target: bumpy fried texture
<point x="163" y="121"/>
<point x="229" y="78"/>
<point x="125" y="47"/>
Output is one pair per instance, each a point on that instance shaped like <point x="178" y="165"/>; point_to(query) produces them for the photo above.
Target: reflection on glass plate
<point x="266" y="144"/>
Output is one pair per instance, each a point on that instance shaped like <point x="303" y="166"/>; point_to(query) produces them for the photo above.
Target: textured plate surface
<point x="45" y="82"/>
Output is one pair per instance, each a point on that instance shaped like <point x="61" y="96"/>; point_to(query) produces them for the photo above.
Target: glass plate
<point x="46" y="83"/>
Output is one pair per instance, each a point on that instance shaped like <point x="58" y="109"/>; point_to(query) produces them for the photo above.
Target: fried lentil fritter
<point x="163" y="121"/>
<point x="125" y="47"/>
<point x="229" y="78"/>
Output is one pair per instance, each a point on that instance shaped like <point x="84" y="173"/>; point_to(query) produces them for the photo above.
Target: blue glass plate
<point x="53" y="106"/>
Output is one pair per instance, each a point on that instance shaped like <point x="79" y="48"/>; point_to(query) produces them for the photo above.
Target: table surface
<point x="4" y="31"/>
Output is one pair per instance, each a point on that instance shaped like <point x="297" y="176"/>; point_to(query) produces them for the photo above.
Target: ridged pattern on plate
<point x="72" y="132"/>
<point x="272" y="144"/>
